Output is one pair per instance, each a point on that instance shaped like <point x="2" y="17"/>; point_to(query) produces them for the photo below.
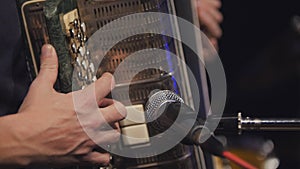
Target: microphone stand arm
<point x="238" y="124"/>
<point x="267" y="124"/>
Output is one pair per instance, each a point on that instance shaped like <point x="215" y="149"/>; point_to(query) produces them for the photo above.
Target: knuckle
<point x="49" y="66"/>
<point x="116" y="135"/>
<point x="106" y="159"/>
<point x="121" y="110"/>
<point x="34" y="84"/>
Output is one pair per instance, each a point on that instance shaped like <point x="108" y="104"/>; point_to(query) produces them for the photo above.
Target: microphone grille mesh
<point x="156" y="100"/>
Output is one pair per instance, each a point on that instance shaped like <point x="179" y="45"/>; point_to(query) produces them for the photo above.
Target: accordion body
<point x="68" y="25"/>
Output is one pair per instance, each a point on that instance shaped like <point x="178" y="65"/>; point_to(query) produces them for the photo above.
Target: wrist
<point x="13" y="151"/>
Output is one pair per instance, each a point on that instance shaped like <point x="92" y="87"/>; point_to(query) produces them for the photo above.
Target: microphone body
<point x="162" y="110"/>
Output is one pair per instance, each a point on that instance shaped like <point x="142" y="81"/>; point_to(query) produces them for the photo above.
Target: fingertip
<point x="47" y="50"/>
<point x="103" y="160"/>
<point x="48" y="56"/>
<point x="106" y="159"/>
<point x="98" y="158"/>
<point x="217" y="3"/>
<point x="104" y="85"/>
<point x="110" y="77"/>
<point x="198" y="3"/>
<point x="219" y="32"/>
<point x="219" y="17"/>
<point x="48" y="65"/>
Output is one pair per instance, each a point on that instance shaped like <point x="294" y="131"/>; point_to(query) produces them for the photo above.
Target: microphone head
<point x="157" y="100"/>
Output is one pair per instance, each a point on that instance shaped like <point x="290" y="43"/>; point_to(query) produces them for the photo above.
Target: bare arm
<point x="47" y="131"/>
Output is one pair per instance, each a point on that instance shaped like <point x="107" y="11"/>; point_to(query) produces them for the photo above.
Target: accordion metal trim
<point x="26" y="29"/>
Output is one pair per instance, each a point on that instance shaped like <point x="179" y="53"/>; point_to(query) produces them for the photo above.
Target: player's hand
<point x="53" y="125"/>
<point x="210" y="17"/>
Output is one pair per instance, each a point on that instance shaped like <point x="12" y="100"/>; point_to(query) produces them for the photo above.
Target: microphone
<point x="162" y="110"/>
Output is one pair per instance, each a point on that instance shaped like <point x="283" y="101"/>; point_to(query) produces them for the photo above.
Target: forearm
<point x="12" y="153"/>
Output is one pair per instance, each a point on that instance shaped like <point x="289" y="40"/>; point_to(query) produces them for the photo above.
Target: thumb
<point x="49" y="66"/>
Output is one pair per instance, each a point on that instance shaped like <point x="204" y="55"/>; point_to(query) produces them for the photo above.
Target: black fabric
<point x="14" y="78"/>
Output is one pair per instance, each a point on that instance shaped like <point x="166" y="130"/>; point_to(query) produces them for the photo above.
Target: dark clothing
<point x="13" y="73"/>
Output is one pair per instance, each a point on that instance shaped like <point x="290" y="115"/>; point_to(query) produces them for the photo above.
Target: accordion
<point x="69" y="25"/>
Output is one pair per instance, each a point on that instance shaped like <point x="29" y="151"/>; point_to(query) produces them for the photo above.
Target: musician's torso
<point x="13" y="73"/>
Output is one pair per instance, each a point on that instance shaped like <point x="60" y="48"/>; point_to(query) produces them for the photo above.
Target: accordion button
<point x="82" y="50"/>
<point x="74" y="48"/>
<point x="72" y="33"/>
<point x="92" y="67"/>
<point x="85" y="64"/>
<point x="84" y="39"/>
<point x="78" y="61"/>
<point x="79" y="75"/>
<point x="83" y="27"/>
<point x="88" y="54"/>
<point x="90" y="76"/>
<point x="79" y="37"/>
<point x="94" y="79"/>
<point x="76" y="22"/>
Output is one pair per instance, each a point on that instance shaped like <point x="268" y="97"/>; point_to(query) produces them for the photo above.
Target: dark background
<point x="260" y="51"/>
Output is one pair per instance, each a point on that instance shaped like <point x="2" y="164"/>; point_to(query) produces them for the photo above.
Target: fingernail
<point x="198" y="3"/>
<point x="47" y="50"/>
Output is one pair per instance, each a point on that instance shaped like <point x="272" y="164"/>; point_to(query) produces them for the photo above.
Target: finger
<point x="214" y="42"/>
<point x="116" y="126"/>
<point x="212" y="26"/>
<point x="97" y="158"/>
<point x="104" y="85"/>
<point x="48" y="67"/>
<point x="206" y="4"/>
<point x="215" y="3"/>
<point x="105" y="102"/>
<point x="113" y="113"/>
<point x="216" y="15"/>
<point x="84" y="148"/>
<point x="102" y="138"/>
